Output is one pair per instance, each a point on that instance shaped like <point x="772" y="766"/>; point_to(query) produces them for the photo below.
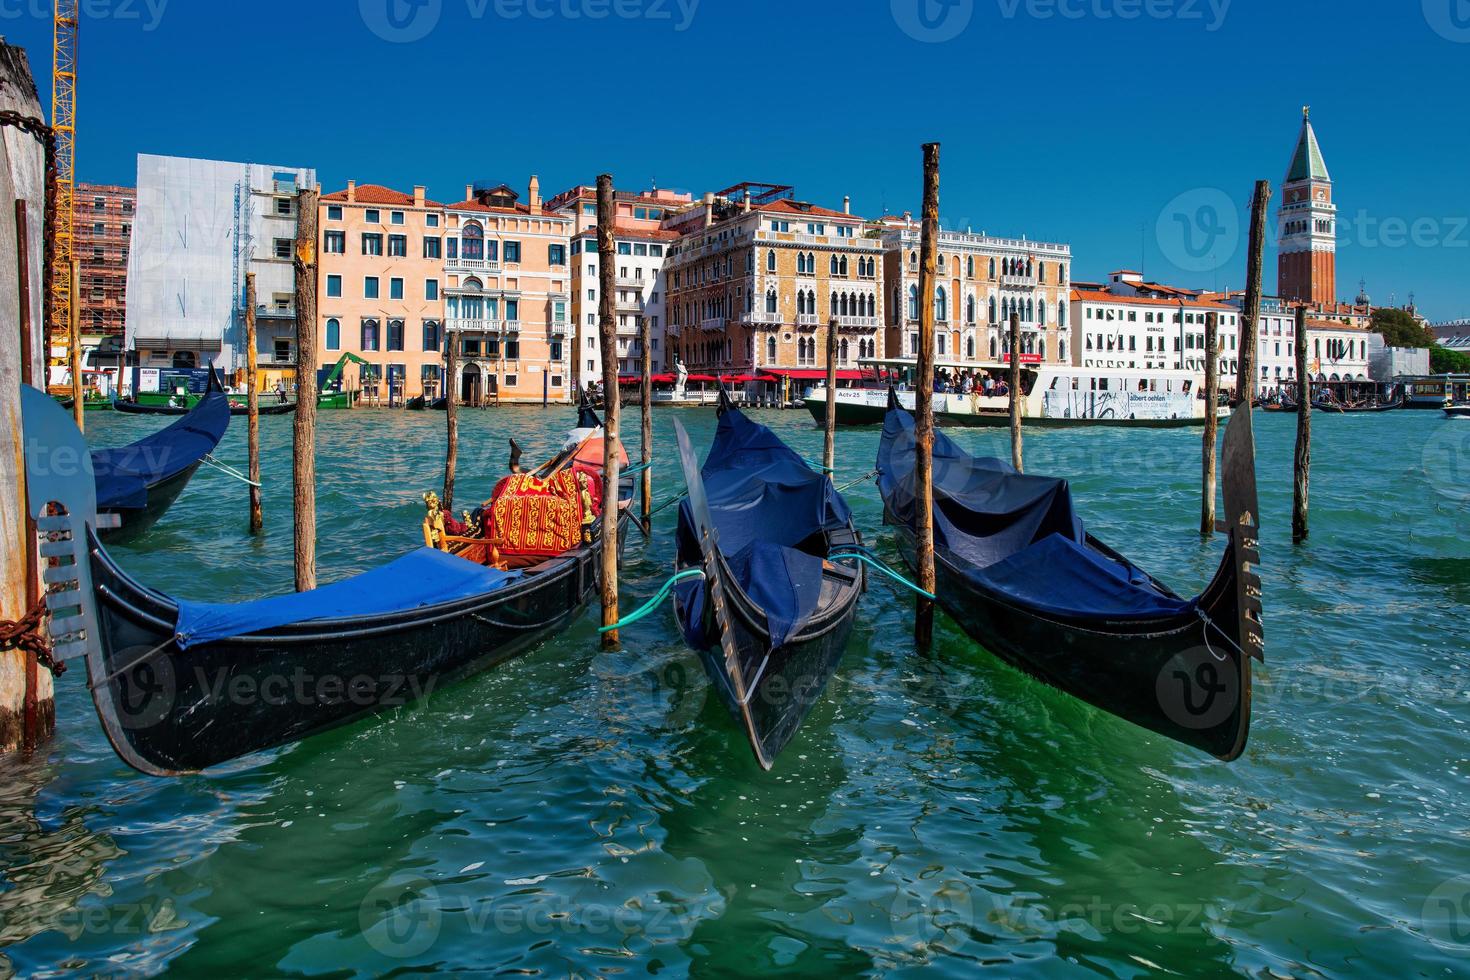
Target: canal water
<point x="583" y="813"/>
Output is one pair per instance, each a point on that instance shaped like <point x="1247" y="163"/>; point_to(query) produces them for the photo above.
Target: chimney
<point x="908" y="216"/>
<point x="745" y="205"/>
<point x="709" y="208"/>
<point x="469" y="192"/>
<point x="535" y="195"/>
<point x="418" y="195"/>
<point x="846" y="205"/>
<point x="352" y="192"/>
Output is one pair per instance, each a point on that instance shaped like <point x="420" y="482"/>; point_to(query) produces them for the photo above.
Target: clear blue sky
<point x="1115" y="125"/>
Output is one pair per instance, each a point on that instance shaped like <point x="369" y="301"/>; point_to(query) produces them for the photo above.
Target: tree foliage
<point x="1442" y="360"/>
<point x="1401" y="330"/>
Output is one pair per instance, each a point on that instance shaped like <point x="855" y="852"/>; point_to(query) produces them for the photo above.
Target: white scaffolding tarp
<point x="196" y="230"/>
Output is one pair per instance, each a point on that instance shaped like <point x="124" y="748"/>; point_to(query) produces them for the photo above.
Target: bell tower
<point x="1307" y="226"/>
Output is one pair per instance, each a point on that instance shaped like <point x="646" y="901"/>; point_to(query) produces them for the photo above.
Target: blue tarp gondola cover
<point x="425" y="577"/>
<point x="765" y="501"/>
<point x="1015" y="536"/>
<point x="124" y="474"/>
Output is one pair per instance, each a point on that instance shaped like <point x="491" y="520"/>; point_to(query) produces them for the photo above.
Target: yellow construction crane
<point x="64" y="124"/>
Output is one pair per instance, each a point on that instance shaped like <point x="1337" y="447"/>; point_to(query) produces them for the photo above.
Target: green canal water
<point x="582" y="813"/>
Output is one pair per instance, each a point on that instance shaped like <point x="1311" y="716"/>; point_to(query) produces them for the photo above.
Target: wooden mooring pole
<point x="612" y="471"/>
<point x="1212" y="423"/>
<point x="1017" y="397"/>
<point x="74" y="346"/>
<point x="924" y="401"/>
<point x="829" y="444"/>
<point x="303" y="470"/>
<point x="451" y="420"/>
<point x="252" y="382"/>
<point x="33" y="728"/>
<point x="645" y="399"/>
<point x="1302" y="468"/>
<point x="1250" y="315"/>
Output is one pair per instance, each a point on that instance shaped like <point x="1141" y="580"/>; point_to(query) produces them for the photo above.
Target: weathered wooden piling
<point x="645" y="401"/>
<point x="1250" y="315"/>
<point x="74" y="347"/>
<point x="451" y="420"/>
<point x="27" y="709"/>
<point x="612" y="471"/>
<point x="829" y="444"/>
<point x="1302" y="467"/>
<point x="304" y="431"/>
<point x="1017" y="396"/>
<point x="1212" y="423"/>
<point x="252" y="394"/>
<point x="924" y="401"/>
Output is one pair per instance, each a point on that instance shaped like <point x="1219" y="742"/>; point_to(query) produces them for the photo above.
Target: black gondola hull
<point x="1182" y="678"/>
<point x="168" y="712"/>
<point x="137" y="521"/>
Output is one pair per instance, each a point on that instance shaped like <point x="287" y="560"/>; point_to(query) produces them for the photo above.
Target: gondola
<point x="139" y="482"/>
<point x="128" y="407"/>
<point x="773" y="613"/>
<point x="1334" y="408"/>
<point x="415" y="404"/>
<point x="439" y="405"/>
<point x="1019" y="573"/>
<point x="182" y="686"/>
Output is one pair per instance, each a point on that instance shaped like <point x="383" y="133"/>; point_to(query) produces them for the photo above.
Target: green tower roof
<point x="1307" y="163"/>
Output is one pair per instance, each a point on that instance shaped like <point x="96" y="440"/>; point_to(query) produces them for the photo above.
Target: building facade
<point x="1307" y="226"/>
<point x="508" y="296"/>
<point x="642" y="246"/>
<point x="200" y="227"/>
<point x="981" y="281"/>
<point x="755" y="277"/>
<point x="380" y="292"/>
<point x="104" y="231"/>
<point x="1129" y="322"/>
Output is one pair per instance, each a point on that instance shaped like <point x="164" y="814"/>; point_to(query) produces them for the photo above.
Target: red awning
<point x="809" y="375"/>
<point x="738" y="379"/>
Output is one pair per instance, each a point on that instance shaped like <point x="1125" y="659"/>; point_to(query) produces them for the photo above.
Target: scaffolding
<point x="64" y="124"/>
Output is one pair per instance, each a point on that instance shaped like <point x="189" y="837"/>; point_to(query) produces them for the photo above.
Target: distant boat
<point x="417" y="404"/>
<point x="1457" y="411"/>
<point x="128" y="407"/>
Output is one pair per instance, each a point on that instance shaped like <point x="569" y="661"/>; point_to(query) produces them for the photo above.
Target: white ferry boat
<point x="1057" y="395"/>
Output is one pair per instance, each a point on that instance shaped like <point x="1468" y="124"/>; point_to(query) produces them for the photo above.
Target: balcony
<point x="632" y="283"/>
<point x="559" y="327"/>
<point x="473" y="325"/>
<point x="714" y="323"/>
<point x="630" y="305"/>
<point x="472" y="265"/>
<point x="1018" y="282"/>
<point x="807" y="319"/>
<point x="762" y="316"/>
<point x="857" y="323"/>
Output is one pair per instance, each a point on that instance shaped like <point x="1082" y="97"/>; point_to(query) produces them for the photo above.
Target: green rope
<point x="868" y="559"/>
<point x="634" y="471"/>
<point x="652" y="604"/>
<point x="819" y="467"/>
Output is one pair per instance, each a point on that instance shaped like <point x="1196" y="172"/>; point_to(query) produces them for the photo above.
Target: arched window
<point x="771" y="260"/>
<point x="992" y="308"/>
<point x="970" y="347"/>
<point x="873" y="306"/>
<point x="1062" y="350"/>
<point x="992" y="347"/>
<point x="941" y="305"/>
<point x="913" y="302"/>
<point x="771" y="299"/>
<point x="834" y="265"/>
<point x="1041" y="313"/>
<point x="913" y="260"/>
<point x="992" y="268"/>
<point x="970" y="267"/>
<point x="834" y="304"/>
<point x="1041" y="347"/>
<point x="1041" y="272"/>
<point x="771" y="349"/>
<point x="184" y="359"/>
<point x="970" y="309"/>
<point x="334" y="334"/>
<point x="842" y="349"/>
<point x="472" y="241"/>
<point x="1061" y="314"/>
<point x="940" y="340"/>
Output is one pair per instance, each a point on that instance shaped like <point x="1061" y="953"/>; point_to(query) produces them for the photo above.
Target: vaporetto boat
<point x="1057" y="395"/>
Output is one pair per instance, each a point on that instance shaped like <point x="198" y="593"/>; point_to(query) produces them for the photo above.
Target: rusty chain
<point x="26" y="634"/>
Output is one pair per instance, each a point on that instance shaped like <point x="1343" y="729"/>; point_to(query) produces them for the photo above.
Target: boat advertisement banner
<point x="1117" y="405"/>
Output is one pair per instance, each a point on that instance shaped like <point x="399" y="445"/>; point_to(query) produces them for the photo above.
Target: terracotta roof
<point x="624" y="231"/>
<point x="520" y="209"/>
<point x="378" y="194"/>
<point x="783" y="206"/>
<point x="1313" y="324"/>
<point x="1099" y="296"/>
